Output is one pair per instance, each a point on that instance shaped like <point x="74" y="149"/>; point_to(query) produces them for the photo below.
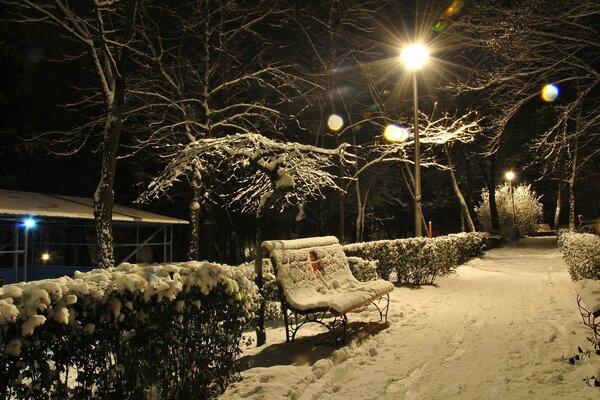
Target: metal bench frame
<point x="589" y="320"/>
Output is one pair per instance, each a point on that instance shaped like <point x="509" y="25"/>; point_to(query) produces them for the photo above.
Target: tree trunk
<point x="490" y="181"/>
<point x="464" y="208"/>
<point x="104" y="195"/>
<point x="558" y="203"/>
<point x="572" y="187"/>
<point x="195" y="211"/>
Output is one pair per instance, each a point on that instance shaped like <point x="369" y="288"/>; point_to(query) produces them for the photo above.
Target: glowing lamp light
<point x="45" y="257"/>
<point x="335" y="122"/>
<point x="29" y="223"/>
<point x="510" y="175"/>
<point x="414" y="57"/>
<point x="395" y="133"/>
<point x="550" y="92"/>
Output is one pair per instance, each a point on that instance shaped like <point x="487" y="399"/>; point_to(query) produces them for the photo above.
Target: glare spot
<point x="395" y="133"/>
<point x="550" y="92"/>
<point x="45" y="257"/>
<point x="29" y="223"/>
<point x="414" y="57"/>
<point x="454" y="9"/>
<point x="335" y="122"/>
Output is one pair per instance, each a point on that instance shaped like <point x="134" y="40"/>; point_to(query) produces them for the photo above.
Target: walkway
<point x="496" y="329"/>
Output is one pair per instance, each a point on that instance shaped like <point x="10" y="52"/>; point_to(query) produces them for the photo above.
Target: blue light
<point x="29" y="223"/>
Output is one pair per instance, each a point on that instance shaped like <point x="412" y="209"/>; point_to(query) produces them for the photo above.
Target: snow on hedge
<point x="121" y="326"/>
<point x="25" y="302"/>
<point x="581" y="252"/>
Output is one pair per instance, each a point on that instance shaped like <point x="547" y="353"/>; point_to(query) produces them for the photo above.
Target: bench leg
<point x="382" y="308"/>
<point x="590" y="320"/>
<point x="294" y="321"/>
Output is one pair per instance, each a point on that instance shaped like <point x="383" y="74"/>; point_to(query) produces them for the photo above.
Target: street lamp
<point x="414" y="58"/>
<point x="510" y="176"/>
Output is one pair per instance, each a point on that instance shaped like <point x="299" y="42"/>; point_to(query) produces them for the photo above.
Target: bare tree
<point x="103" y="36"/>
<point x="516" y="48"/>
<point x="210" y="72"/>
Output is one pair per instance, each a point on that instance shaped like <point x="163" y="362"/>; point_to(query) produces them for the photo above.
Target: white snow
<point x="331" y="286"/>
<point x="496" y="329"/>
<point x="589" y="290"/>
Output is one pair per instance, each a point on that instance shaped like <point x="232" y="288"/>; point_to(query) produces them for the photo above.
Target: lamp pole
<point x="413" y="58"/>
<point x="510" y="176"/>
<point x="418" y="210"/>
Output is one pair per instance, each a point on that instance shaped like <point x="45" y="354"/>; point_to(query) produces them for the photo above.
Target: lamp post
<point x="510" y="176"/>
<point x="413" y="58"/>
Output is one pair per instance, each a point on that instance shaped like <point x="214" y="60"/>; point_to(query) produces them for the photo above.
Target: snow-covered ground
<point x="496" y="329"/>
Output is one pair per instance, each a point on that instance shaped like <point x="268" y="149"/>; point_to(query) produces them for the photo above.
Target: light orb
<point x="414" y="57"/>
<point x="510" y="175"/>
<point x="550" y="92"/>
<point x="45" y="257"/>
<point x="335" y="122"/>
<point x="395" y="133"/>
<point x="29" y="223"/>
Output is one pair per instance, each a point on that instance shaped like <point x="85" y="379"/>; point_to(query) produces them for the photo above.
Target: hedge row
<point x="581" y="252"/>
<point x="419" y="260"/>
<point x="131" y="332"/>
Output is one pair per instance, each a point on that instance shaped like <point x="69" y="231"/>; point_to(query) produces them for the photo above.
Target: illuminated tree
<point x="265" y="175"/>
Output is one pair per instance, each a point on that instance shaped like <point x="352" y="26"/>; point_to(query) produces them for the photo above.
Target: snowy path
<point x="496" y="329"/>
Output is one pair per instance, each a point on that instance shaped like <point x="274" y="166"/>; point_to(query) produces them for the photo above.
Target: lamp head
<point x="414" y="57"/>
<point x="510" y="175"/>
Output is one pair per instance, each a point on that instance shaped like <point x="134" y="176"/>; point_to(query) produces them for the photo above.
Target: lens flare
<point x="550" y="92"/>
<point x="335" y="122"/>
<point x="29" y="223"/>
<point x="395" y="133"/>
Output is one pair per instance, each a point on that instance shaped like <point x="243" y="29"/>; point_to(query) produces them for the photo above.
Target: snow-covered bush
<point x="527" y="211"/>
<point x="419" y="260"/>
<point x="363" y="270"/>
<point x="270" y="291"/>
<point x="131" y="332"/>
<point x="581" y="252"/>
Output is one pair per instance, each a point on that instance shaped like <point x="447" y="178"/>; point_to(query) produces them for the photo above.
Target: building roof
<point x="14" y="203"/>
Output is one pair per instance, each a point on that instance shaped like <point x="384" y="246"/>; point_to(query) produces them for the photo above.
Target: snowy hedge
<point x="419" y="260"/>
<point x="131" y="332"/>
<point x="581" y="252"/>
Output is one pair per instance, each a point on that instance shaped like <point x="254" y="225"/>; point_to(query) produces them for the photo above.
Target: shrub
<point x="419" y="260"/>
<point x="363" y="270"/>
<point x="581" y="252"/>
<point x="131" y="332"/>
<point x="527" y="211"/>
<point x="270" y="291"/>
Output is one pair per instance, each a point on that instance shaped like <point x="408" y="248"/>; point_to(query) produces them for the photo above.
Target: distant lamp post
<point x="45" y="258"/>
<point x="510" y="176"/>
<point x="414" y="58"/>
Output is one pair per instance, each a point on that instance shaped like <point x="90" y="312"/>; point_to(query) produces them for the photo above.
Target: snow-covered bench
<point x="588" y="300"/>
<point x="315" y="282"/>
